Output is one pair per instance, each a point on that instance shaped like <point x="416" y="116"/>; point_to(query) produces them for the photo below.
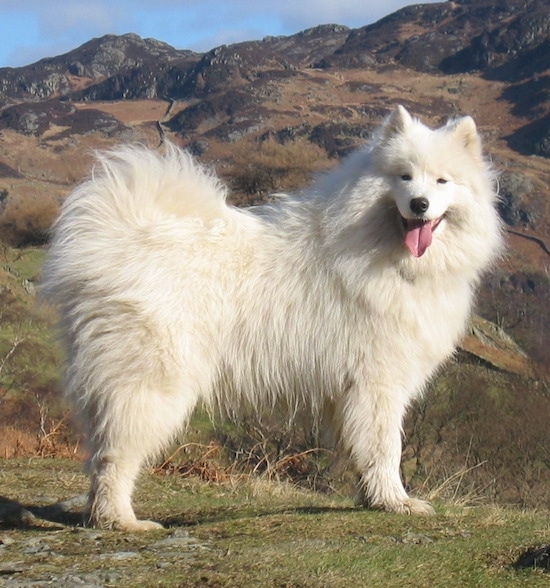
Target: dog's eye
<point x="406" y="177"/>
<point x="441" y="181"/>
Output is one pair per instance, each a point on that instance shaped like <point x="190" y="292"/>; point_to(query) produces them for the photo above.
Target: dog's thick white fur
<point x="340" y="300"/>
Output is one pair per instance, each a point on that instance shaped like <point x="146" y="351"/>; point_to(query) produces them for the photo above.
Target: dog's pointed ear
<point x="396" y="123"/>
<point x="465" y="130"/>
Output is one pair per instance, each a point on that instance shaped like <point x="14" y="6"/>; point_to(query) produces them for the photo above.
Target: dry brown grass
<point x="26" y="220"/>
<point x="261" y="168"/>
<point x="15" y="442"/>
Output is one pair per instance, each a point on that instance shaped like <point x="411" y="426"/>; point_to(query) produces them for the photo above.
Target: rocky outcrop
<point x="451" y="37"/>
<point x="533" y="138"/>
<point x="490" y="344"/>
<point x="89" y="64"/>
<point x="38" y="118"/>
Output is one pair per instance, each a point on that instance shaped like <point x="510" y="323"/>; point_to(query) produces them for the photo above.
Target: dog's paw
<point x="417" y="507"/>
<point x="130" y="526"/>
<point x="409" y="506"/>
<point x="137" y="525"/>
<point x="406" y="505"/>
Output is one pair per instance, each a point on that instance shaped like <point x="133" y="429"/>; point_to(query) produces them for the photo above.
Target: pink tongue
<point x="418" y="236"/>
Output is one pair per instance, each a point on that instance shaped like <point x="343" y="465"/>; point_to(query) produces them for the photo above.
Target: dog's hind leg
<point x="125" y="431"/>
<point x="371" y="429"/>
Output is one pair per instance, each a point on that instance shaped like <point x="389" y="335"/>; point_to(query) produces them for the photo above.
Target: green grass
<point x="29" y="357"/>
<point x="27" y="262"/>
<point x="255" y="533"/>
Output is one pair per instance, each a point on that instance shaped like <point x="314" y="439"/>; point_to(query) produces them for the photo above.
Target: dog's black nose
<point x="419" y="205"/>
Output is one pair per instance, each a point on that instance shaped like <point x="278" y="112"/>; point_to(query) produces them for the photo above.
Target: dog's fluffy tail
<point x="146" y="183"/>
<point x="135" y="186"/>
<point x="133" y="194"/>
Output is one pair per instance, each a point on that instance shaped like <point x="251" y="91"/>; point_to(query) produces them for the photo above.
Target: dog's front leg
<point x="371" y="430"/>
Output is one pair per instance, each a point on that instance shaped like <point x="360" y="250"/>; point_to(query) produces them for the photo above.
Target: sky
<point x="33" y="29"/>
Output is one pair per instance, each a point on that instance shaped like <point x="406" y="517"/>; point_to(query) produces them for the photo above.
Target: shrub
<point x="26" y="220"/>
<point x="260" y="168"/>
<point x="489" y="426"/>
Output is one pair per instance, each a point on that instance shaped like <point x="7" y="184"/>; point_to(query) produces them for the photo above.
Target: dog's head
<point x="429" y="172"/>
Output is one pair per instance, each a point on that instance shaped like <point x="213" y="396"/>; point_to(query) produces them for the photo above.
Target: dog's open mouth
<point x="418" y="234"/>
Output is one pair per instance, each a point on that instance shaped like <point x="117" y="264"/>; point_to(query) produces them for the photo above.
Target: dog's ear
<point x="465" y="130"/>
<point x="396" y="123"/>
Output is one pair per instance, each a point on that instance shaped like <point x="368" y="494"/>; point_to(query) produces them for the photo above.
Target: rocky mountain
<point x="90" y="64"/>
<point x="325" y="87"/>
<point x="506" y="40"/>
<point x="453" y="37"/>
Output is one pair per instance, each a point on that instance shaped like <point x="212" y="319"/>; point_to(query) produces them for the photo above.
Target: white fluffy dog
<point x="340" y="300"/>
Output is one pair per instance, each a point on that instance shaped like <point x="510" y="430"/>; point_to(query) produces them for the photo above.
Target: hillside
<point x="269" y="113"/>
<point x="256" y="534"/>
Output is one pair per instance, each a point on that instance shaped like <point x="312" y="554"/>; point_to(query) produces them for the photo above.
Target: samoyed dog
<point x="341" y="300"/>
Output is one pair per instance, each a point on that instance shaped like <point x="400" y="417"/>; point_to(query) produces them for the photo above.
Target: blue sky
<point x="32" y="29"/>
